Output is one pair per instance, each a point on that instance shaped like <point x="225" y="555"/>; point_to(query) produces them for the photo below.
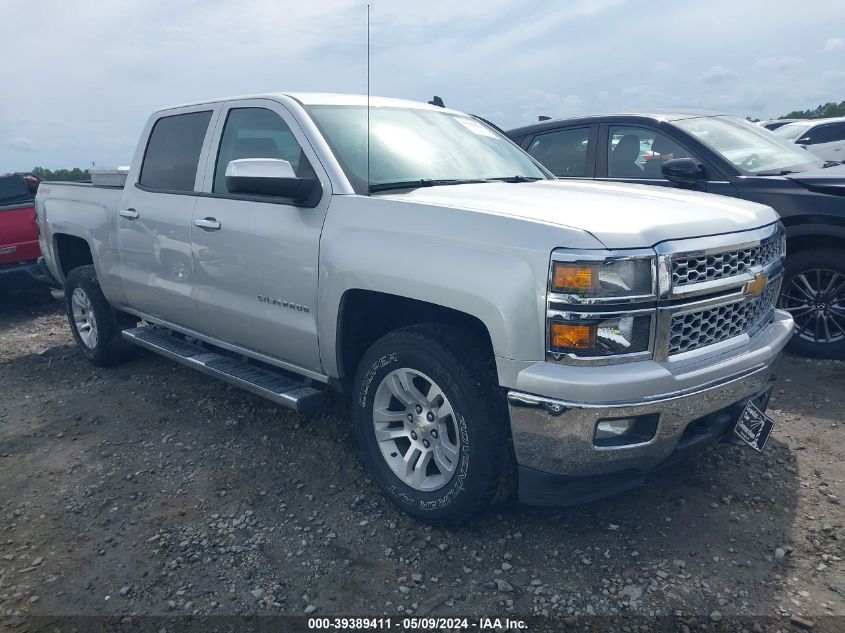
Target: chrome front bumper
<point x="556" y="435"/>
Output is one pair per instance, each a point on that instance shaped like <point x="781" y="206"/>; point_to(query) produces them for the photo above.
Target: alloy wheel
<point x="83" y="318"/>
<point x="816" y="300"/>
<point x="416" y="429"/>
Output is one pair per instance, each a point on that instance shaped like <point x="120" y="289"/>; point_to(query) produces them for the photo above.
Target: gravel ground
<point x="150" y="489"/>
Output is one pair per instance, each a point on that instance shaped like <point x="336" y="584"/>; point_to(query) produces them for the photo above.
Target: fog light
<point x="621" y="432"/>
<point x="611" y="429"/>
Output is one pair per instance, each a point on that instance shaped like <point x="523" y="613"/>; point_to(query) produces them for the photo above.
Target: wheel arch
<point x="812" y="232"/>
<point x="71" y="251"/>
<point x="364" y="316"/>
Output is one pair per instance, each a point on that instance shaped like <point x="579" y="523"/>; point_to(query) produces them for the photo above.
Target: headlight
<point x="609" y="279"/>
<point x="584" y="287"/>
<point x="599" y="335"/>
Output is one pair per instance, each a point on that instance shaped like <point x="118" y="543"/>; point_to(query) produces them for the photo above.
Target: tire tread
<point x="472" y="357"/>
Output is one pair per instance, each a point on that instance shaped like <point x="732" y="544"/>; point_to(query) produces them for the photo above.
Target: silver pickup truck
<point x="493" y="327"/>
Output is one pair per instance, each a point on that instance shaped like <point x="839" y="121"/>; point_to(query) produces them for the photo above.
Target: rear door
<point x="256" y="272"/>
<point x="567" y="152"/>
<point x="154" y="217"/>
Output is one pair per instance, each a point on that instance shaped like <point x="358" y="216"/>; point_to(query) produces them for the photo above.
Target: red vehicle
<point x="19" y="251"/>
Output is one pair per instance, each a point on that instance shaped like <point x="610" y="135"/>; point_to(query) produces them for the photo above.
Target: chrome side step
<point x="276" y="387"/>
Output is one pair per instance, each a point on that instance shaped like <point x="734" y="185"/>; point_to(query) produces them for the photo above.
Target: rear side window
<point x="826" y="133"/>
<point x="563" y="152"/>
<point x="173" y="152"/>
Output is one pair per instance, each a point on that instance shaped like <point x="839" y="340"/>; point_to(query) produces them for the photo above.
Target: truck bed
<point x="74" y="208"/>
<point x="18" y="236"/>
<point x="76" y="203"/>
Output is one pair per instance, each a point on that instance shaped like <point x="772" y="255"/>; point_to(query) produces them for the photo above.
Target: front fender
<point x="491" y="267"/>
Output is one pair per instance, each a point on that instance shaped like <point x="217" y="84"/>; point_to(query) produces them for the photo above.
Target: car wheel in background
<point x="813" y="292"/>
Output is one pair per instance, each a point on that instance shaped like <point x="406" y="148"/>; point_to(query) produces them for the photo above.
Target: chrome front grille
<point x="692" y="330"/>
<point x="693" y="268"/>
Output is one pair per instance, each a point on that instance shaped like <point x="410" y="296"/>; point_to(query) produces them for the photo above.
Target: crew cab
<point x="493" y="327"/>
<point x="18" y="237"/>
<point x="707" y="151"/>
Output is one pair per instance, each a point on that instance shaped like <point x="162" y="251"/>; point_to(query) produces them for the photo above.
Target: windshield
<point x="410" y="145"/>
<point x="752" y="149"/>
<point x="792" y="131"/>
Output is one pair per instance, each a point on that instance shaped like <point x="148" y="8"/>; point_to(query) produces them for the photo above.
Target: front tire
<point x="432" y="427"/>
<point x="95" y="325"/>
<point x="813" y="293"/>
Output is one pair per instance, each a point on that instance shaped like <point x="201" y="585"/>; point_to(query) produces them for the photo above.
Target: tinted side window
<point x="257" y="133"/>
<point x="563" y="152"/>
<point x="826" y="133"/>
<point x="635" y="152"/>
<point x="173" y="152"/>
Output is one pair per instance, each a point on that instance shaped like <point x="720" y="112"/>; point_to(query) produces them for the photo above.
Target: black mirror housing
<point x="270" y="177"/>
<point x="294" y="188"/>
<point x="683" y="171"/>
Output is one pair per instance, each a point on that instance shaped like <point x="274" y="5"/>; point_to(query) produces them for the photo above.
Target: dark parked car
<point x="776" y="123"/>
<point x="724" y="155"/>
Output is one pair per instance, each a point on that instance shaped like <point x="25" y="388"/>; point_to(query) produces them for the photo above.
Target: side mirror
<point x="267" y="177"/>
<point x="683" y="171"/>
<point x="803" y="141"/>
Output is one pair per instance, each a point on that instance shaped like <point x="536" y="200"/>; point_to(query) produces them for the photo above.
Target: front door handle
<point x="129" y="214"/>
<point x="208" y="224"/>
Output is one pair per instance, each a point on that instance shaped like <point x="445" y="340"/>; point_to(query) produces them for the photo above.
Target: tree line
<point x="830" y="109"/>
<point x="61" y="174"/>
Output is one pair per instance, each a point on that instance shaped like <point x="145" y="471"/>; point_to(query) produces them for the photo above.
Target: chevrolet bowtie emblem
<point x="756" y="287"/>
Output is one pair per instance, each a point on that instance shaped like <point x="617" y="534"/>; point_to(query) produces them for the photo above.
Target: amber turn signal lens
<point x="570" y="278"/>
<point x="573" y="336"/>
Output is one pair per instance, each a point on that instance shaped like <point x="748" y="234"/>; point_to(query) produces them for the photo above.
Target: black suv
<point x="728" y="156"/>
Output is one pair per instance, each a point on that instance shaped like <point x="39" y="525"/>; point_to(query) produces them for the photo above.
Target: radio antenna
<point x="368" y="99"/>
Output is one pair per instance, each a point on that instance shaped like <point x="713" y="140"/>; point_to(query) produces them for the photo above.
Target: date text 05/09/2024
<point x="412" y="624"/>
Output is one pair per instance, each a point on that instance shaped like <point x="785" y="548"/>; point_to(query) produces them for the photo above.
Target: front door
<point x="256" y="270"/>
<point x="635" y="153"/>
<point x="154" y="219"/>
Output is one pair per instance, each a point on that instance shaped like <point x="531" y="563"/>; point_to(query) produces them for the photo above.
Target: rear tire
<point x="95" y="325"/>
<point x="813" y="292"/>
<point x="460" y="462"/>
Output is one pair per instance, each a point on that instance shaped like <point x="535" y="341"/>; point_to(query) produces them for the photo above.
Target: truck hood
<point x="619" y="215"/>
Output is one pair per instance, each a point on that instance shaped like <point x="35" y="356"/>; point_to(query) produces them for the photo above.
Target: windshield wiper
<point x="433" y="182"/>
<point x="515" y="179"/>
<point x="833" y="163"/>
<point x="781" y="172"/>
<point x="422" y="182"/>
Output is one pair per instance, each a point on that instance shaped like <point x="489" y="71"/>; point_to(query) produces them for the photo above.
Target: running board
<point x="268" y="384"/>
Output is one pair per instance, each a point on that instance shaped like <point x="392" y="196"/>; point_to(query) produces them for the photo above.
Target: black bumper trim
<point x="19" y="275"/>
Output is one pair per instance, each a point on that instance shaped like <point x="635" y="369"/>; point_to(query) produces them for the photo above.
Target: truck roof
<point x="325" y="98"/>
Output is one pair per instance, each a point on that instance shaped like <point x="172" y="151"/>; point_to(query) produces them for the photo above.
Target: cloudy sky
<point x="79" y="78"/>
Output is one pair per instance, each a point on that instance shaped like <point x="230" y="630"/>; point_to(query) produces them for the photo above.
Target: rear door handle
<point x="208" y="224"/>
<point x="129" y="214"/>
